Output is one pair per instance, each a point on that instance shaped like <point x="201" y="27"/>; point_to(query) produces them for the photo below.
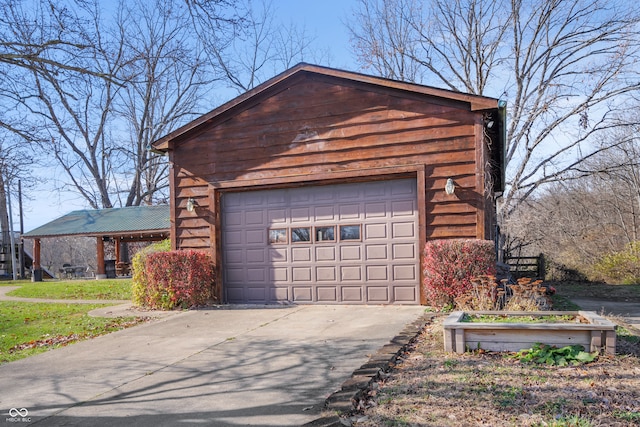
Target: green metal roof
<point x="107" y="222"/>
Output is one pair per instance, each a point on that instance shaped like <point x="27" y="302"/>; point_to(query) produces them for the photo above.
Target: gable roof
<point x="110" y="222"/>
<point x="475" y="102"/>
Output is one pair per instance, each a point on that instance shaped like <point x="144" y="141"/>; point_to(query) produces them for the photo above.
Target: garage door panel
<point x="235" y="295"/>
<point x="301" y="254"/>
<point x="375" y="210"/>
<point x="256" y="275"/>
<point x="255" y="217"/>
<point x="235" y="275"/>
<point x="376" y="252"/>
<point x="300" y="214"/>
<point x="277" y="216"/>
<point x="350" y="253"/>
<point x="377" y="273"/>
<point x="379" y="294"/>
<point x="347" y="192"/>
<point x="327" y="294"/>
<point x="352" y="294"/>
<point x="349" y="212"/>
<point x="405" y="294"/>
<point x="326" y="274"/>
<point x="301" y="274"/>
<point x="302" y="294"/>
<point x="278" y="255"/>
<point x="326" y="254"/>
<point x="233" y="237"/>
<point x="404" y="251"/>
<point x="403" y="229"/>
<point x="324" y="213"/>
<point x="404" y="272"/>
<point x="279" y="275"/>
<point x="347" y="243"/>
<point x="350" y="273"/>
<point x="279" y="294"/>
<point x="255" y="256"/>
<point x="403" y="208"/>
<point x="375" y="231"/>
<point x="255" y="199"/>
<point x="234" y="256"/>
<point x="256" y="237"/>
<point x="256" y="294"/>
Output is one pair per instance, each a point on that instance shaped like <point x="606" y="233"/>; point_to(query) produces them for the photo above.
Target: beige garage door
<point x="347" y="243"/>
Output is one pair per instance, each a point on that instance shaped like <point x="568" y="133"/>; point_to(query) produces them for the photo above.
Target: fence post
<point x="541" y="266"/>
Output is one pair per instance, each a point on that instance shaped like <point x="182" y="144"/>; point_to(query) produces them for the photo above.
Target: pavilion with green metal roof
<point x="128" y="224"/>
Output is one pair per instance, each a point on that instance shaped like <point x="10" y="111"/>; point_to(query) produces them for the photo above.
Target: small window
<point x="326" y="234"/>
<point x="301" y="235"/>
<point x="349" y="232"/>
<point x="277" y="235"/>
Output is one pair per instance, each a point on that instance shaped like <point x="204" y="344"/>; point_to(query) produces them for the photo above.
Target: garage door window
<point x="325" y="234"/>
<point x="278" y="236"/>
<point x="321" y="234"/>
<point x="301" y="235"/>
<point x="349" y="232"/>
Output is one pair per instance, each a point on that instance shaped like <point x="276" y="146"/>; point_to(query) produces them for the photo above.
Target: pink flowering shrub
<point x="450" y="265"/>
<point x="179" y="279"/>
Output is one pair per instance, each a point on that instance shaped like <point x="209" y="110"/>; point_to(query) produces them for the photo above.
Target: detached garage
<point x="321" y="185"/>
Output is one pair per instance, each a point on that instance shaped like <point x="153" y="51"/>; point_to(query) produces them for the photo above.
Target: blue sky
<point x="322" y="20"/>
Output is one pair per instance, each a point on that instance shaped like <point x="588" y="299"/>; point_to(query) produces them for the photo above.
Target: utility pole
<point x="12" y="239"/>
<point x="21" y="253"/>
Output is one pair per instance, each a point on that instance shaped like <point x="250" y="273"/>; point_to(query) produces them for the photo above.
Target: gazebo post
<point x="37" y="269"/>
<point x="118" y="256"/>
<point x="102" y="272"/>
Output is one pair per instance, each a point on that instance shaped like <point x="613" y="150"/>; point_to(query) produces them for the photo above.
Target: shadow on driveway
<point x="218" y="367"/>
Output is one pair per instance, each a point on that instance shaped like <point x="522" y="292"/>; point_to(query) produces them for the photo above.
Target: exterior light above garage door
<point x="191" y="204"/>
<point x="449" y="187"/>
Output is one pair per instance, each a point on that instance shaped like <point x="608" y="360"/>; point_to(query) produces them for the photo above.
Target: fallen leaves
<point x="432" y="388"/>
<point x="61" y="340"/>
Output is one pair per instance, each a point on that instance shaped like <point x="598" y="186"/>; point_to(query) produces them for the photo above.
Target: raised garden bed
<point x="593" y="332"/>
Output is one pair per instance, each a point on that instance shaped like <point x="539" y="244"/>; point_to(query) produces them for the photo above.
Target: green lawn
<point x="109" y="289"/>
<point x="28" y="328"/>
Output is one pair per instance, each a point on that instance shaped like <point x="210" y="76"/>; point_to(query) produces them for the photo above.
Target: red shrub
<point x="179" y="279"/>
<point x="450" y="265"/>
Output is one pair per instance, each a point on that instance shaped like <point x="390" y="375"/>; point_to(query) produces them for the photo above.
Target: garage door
<point x="347" y="243"/>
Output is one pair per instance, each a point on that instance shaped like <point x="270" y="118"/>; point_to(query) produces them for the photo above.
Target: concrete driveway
<point x="226" y="367"/>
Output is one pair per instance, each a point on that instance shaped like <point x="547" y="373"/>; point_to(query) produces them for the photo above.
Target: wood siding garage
<point x="313" y="131"/>
<point x="346" y="243"/>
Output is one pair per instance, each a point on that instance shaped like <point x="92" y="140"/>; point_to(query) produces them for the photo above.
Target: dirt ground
<point x="429" y="387"/>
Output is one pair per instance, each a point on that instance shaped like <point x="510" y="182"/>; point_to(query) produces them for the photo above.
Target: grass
<point x="28" y="328"/>
<point x="429" y="387"/>
<point x="597" y="290"/>
<point x="109" y="289"/>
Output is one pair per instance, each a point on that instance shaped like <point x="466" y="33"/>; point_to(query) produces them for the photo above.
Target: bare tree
<point x="98" y="129"/>
<point x="256" y="47"/>
<point x="50" y="33"/>
<point x="565" y="65"/>
<point x="166" y="77"/>
<point x="593" y="211"/>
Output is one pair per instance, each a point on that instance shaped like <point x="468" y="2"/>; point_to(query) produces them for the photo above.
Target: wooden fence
<point x="526" y="266"/>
